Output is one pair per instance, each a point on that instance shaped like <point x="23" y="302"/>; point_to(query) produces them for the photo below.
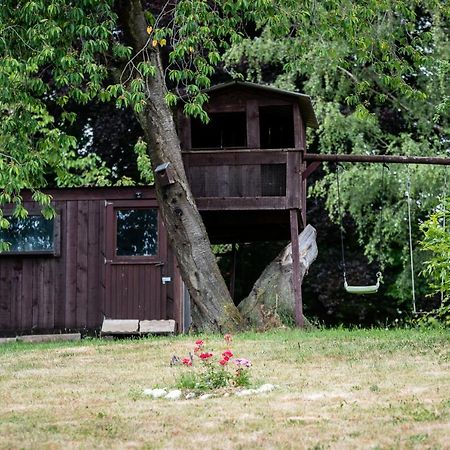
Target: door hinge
<point x="108" y="203"/>
<point x="106" y="261"/>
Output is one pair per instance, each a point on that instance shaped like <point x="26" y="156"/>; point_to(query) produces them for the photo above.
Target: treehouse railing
<point x="245" y="179"/>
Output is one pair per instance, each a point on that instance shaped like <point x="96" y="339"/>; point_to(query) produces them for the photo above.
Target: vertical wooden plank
<point x="60" y="291"/>
<point x="211" y="185"/>
<point x="131" y="299"/>
<point x="5" y="301"/>
<point x="304" y="194"/>
<point x="138" y="283"/>
<point x="158" y="291"/>
<point x="235" y="181"/>
<point x="162" y="292"/>
<point x="82" y="263"/>
<point x="293" y="180"/>
<point x="251" y="181"/>
<point x="26" y="295"/>
<point x="93" y="264"/>
<point x="16" y="322"/>
<point x="155" y="299"/>
<point x="223" y="181"/>
<point x="253" y="133"/>
<point x="71" y="265"/>
<point x="48" y="292"/>
<point x="198" y="181"/>
<point x="299" y="128"/>
<point x="41" y="297"/>
<point x="102" y="261"/>
<point x="296" y="269"/>
<point x="36" y="286"/>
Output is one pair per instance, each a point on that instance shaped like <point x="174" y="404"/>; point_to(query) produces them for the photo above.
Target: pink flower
<point x="205" y="355"/>
<point x="186" y="361"/>
<point x="223" y="362"/>
<point x="227" y="354"/>
<point x="199" y="342"/>
<point x="242" y="362"/>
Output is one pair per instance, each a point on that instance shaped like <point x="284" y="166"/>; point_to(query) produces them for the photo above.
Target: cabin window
<point x="136" y="232"/>
<point x="276" y="125"/>
<point x="33" y="234"/>
<point x="224" y="130"/>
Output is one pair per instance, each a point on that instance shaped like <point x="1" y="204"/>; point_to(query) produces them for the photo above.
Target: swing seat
<point x="372" y="289"/>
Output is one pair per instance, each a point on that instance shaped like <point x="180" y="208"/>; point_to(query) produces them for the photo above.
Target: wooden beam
<point x="386" y="159"/>
<point x="296" y="275"/>
<point x="240" y="203"/>
<point x="310" y="168"/>
<point x="234" y="157"/>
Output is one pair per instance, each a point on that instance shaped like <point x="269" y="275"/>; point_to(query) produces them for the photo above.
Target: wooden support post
<point x="233" y="271"/>
<point x="296" y="276"/>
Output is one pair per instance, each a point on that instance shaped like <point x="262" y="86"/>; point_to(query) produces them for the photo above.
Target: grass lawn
<point x="384" y="389"/>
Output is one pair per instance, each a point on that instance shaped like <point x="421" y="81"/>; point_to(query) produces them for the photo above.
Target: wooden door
<point x="136" y="253"/>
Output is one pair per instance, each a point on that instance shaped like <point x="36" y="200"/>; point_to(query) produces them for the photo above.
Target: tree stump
<point x="272" y="296"/>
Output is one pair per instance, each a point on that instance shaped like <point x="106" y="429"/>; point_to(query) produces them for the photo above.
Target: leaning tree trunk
<point x="212" y="307"/>
<point x="272" y="294"/>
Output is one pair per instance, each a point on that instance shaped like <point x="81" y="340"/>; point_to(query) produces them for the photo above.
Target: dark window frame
<point x="135" y="258"/>
<point x="55" y="252"/>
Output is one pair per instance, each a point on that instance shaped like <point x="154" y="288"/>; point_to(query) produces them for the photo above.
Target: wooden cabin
<point x="245" y="166"/>
<point x="106" y="253"/>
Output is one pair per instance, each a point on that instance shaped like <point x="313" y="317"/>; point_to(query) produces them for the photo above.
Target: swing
<point x="373" y="289"/>
<point x="358" y="290"/>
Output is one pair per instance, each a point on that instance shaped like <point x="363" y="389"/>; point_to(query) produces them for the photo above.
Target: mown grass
<point x="336" y="389"/>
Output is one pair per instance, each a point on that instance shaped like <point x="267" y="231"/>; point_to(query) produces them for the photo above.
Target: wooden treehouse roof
<point x="304" y="100"/>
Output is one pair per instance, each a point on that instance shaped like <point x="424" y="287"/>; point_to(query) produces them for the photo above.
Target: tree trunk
<point x="272" y="296"/>
<point x="212" y="307"/>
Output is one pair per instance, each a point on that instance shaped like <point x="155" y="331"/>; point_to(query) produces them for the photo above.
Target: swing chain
<point x="341" y="227"/>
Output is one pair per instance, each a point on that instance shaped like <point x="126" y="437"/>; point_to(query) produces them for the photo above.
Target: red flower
<point x="199" y="342"/>
<point x="205" y="355"/>
<point x="186" y="361"/>
<point x="223" y="362"/>
<point x="227" y="354"/>
<point x="197" y="349"/>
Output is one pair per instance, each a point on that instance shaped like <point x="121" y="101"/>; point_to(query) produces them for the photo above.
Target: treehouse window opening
<point x="276" y="126"/>
<point x="224" y="130"/>
<point x="136" y="232"/>
<point x="32" y="234"/>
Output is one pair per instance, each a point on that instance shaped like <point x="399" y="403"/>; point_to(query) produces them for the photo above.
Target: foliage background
<point x="377" y="71"/>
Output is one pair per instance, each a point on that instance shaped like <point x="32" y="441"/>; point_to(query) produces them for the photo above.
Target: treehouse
<point x="106" y="253"/>
<point x="245" y="165"/>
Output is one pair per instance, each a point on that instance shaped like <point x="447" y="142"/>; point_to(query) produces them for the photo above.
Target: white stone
<point x="157" y="326"/>
<point x="173" y="395"/>
<point x="205" y="396"/>
<point x="245" y="392"/>
<point x="113" y="326"/>
<point x="266" y="388"/>
<point x="190" y="395"/>
<point x="155" y="393"/>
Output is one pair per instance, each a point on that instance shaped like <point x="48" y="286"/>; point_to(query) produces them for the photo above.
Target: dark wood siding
<point x="67" y="292"/>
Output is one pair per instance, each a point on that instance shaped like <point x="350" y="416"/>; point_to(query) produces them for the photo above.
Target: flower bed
<point x="205" y="370"/>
